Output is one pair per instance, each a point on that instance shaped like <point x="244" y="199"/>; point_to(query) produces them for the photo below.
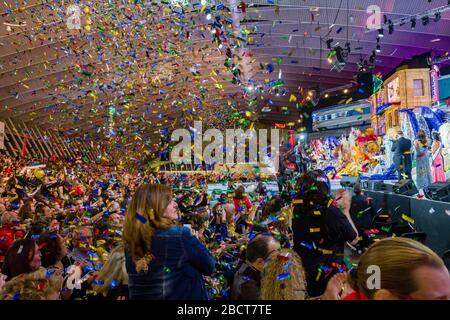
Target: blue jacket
<point x="175" y="273"/>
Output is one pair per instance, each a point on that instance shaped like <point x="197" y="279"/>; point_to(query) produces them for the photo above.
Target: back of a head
<point x="113" y="272"/>
<point x="436" y="136"/>
<point x="258" y="247"/>
<point x="18" y="258"/>
<point x="422" y="137"/>
<point x="357" y="188"/>
<point x="314" y="188"/>
<point x="397" y="259"/>
<point x="239" y="192"/>
<point x="50" y="248"/>
<point x="144" y="216"/>
<point x="283" y="277"/>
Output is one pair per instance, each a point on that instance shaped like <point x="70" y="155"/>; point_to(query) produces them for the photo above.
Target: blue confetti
<point x="287" y="265"/>
<point x="307" y="245"/>
<point x="141" y="218"/>
<point x="284" y="276"/>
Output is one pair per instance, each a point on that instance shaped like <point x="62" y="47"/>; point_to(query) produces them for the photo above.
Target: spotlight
<point x="340" y="59"/>
<point x="378" y="49"/>
<point x="346" y="91"/>
<point x="372" y="57"/>
<point x="340" y="56"/>
<point x="413" y="23"/>
<point x="326" y="95"/>
<point x="347" y="46"/>
<point x="380" y="33"/>
<point x="437" y="17"/>
<point x="425" y="20"/>
<point x="391" y="27"/>
<point x="329" y="41"/>
<point x="330" y="61"/>
<point x="310" y="93"/>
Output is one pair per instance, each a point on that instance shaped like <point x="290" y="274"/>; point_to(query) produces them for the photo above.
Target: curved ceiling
<point x="160" y="67"/>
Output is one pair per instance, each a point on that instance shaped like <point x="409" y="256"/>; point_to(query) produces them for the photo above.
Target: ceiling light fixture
<point x="413" y="23"/>
<point x="378" y="49"/>
<point x="391" y="27"/>
<point x="329" y="41"/>
<point x="437" y="16"/>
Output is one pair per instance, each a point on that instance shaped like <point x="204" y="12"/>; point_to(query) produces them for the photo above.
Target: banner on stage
<point x="2" y="135"/>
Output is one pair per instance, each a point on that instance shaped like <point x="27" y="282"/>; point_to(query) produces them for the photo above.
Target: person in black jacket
<point x="320" y="229"/>
<point x="247" y="280"/>
<point x="402" y="156"/>
<point x="361" y="209"/>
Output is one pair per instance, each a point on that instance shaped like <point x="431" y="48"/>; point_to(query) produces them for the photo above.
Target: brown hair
<point x="283" y="278"/>
<point x="113" y="270"/>
<point x="422" y="138"/>
<point x="50" y="247"/>
<point x="143" y="218"/>
<point x="397" y="259"/>
<point x="18" y="258"/>
<point x="239" y="192"/>
<point x="25" y="211"/>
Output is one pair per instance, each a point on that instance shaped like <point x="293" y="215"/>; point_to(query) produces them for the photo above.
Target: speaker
<point x="349" y="181"/>
<point x="374" y="185"/>
<point x="405" y="187"/>
<point x="439" y="191"/>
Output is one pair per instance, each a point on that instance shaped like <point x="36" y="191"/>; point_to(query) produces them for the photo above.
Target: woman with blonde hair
<point x="112" y="281"/>
<point x="32" y="286"/>
<point x="283" y="278"/>
<point x="399" y="268"/>
<point x="164" y="261"/>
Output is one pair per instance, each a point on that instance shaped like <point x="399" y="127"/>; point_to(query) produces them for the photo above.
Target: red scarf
<point x="355" y="295"/>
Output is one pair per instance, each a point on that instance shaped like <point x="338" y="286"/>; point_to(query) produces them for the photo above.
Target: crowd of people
<point x="75" y="230"/>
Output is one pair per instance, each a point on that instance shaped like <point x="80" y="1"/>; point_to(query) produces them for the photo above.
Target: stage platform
<point x="431" y="217"/>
